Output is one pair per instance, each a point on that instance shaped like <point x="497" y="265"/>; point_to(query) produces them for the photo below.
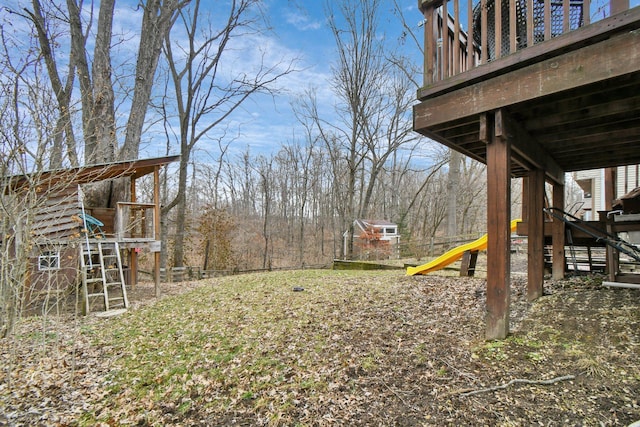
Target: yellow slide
<point x="453" y="254"/>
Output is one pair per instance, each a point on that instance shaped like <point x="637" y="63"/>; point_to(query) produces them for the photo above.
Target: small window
<point x="390" y="231"/>
<point x="49" y="261"/>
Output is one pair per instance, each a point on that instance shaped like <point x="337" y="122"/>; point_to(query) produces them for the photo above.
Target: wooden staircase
<point x="102" y="275"/>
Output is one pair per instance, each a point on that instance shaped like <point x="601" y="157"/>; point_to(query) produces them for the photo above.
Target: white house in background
<point x="592" y="184"/>
<point x="375" y="239"/>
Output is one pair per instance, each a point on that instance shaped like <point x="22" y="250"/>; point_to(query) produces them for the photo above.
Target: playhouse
<point x="71" y="244"/>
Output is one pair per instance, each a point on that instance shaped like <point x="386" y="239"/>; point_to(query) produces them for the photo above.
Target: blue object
<point x="93" y="225"/>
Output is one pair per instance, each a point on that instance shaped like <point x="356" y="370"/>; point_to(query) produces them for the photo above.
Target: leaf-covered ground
<point x="352" y="348"/>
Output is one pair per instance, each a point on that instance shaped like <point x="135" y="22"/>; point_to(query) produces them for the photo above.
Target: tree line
<point x="77" y="91"/>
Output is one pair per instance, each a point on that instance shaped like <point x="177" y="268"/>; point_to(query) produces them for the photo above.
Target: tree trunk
<point x="181" y="211"/>
<point x="62" y="92"/>
<point x="157" y="21"/>
<point x="79" y="54"/>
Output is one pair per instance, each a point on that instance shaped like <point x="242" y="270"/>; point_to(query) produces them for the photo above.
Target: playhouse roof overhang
<point x="87" y="174"/>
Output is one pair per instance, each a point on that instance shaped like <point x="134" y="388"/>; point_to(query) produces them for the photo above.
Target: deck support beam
<point x="535" y="265"/>
<point x="499" y="233"/>
<point x="558" y="234"/>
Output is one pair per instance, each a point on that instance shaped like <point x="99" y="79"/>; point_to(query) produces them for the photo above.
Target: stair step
<point x="100" y="294"/>
<point x="95" y="280"/>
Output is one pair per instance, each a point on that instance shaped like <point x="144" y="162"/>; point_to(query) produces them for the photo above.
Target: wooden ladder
<point x="101" y="268"/>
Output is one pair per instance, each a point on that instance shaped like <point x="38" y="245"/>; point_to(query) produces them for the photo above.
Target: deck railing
<point x="135" y="221"/>
<point x="481" y="31"/>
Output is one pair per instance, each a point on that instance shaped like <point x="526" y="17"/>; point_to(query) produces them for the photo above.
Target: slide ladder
<point x="102" y="275"/>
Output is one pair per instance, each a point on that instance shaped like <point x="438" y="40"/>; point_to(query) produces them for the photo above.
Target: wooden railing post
<point x="484" y="21"/>
<point x="504" y="26"/>
<point x="618" y="6"/>
<point x="470" y="48"/>
<point x="429" y="45"/>
<point x="456" y="37"/>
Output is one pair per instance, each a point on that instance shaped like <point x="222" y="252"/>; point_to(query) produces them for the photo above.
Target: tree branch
<point x="516" y="381"/>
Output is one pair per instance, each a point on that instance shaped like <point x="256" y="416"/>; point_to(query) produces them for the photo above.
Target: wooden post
<point x="535" y="224"/>
<point x="470" y="50"/>
<point x="609" y="192"/>
<point x="456" y="37"/>
<point x="525" y="199"/>
<point x="497" y="33"/>
<point x="612" y="254"/>
<point x="133" y="255"/>
<point x="483" y="32"/>
<point x="430" y="45"/>
<point x="468" y="263"/>
<point x="558" y="234"/>
<point x="618" y="6"/>
<point x="499" y="232"/>
<point x="156" y="221"/>
<point x="444" y="51"/>
<point x="609" y="188"/>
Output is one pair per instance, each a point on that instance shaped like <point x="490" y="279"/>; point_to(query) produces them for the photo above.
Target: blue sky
<point x="263" y="123"/>
<point x="299" y="31"/>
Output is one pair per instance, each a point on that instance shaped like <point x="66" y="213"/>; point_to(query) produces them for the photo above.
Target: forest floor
<point x="349" y="348"/>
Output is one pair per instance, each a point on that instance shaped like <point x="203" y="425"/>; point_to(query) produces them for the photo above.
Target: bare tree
<point x="455" y="213"/>
<point x="27" y="122"/>
<point x="371" y="121"/>
<point x="264" y="169"/>
<point x="94" y="69"/>
<point x="158" y="19"/>
<point x="204" y="96"/>
<point x="64" y="141"/>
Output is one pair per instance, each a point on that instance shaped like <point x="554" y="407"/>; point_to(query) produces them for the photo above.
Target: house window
<point x="49" y="261"/>
<point x="390" y="231"/>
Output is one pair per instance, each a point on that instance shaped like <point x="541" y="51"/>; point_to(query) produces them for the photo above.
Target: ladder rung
<point x="109" y="261"/>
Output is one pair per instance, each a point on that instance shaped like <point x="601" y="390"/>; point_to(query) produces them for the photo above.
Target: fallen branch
<point x="408" y="405"/>
<point x="519" y="381"/>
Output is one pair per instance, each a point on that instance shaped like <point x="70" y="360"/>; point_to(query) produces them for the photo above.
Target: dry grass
<point x="352" y="348"/>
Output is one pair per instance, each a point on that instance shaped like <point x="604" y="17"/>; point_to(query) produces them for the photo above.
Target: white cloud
<point x="301" y="20"/>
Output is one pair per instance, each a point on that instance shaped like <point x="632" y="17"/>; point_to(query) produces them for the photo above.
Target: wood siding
<point x="56" y="215"/>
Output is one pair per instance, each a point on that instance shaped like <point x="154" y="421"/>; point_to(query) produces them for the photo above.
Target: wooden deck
<point x="571" y="103"/>
<point x="533" y="90"/>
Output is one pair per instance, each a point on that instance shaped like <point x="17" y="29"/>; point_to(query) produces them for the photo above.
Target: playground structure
<point x="79" y="245"/>
<point x="533" y="90"/>
<point x="456" y="254"/>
